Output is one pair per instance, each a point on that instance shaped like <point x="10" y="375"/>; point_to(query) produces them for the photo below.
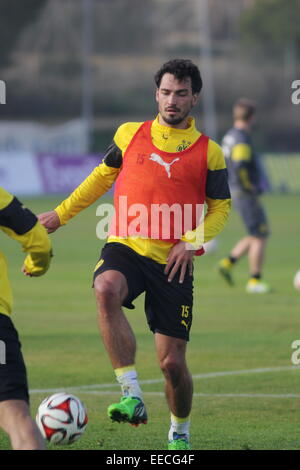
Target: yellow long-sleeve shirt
<point x="22" y="225"/>
<point x="167" y="139"/>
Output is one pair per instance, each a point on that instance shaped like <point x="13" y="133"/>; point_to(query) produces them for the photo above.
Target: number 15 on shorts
<point x="185" y="311"/>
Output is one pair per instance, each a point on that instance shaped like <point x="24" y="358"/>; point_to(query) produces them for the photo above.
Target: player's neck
<point x="242" y="125"/>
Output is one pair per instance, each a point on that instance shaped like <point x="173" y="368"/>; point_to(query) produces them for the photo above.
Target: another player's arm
<point x="218" y="199"/>
<point x="22" y="225"/>
<point x="241" y="155"/>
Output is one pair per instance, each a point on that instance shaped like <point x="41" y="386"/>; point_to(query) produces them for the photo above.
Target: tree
<point x="273" y="24"/>
<point x="14" y="17"/>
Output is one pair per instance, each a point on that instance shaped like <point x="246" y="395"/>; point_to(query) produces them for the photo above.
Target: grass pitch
<point x="247" y="390"/>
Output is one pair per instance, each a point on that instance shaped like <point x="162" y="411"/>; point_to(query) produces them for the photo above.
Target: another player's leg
<point x="111" y="289"/>
<point x="256" y="254"/>
<point x="225" y="265"/>
<point x="259" y="229"/>
<point x="15" y="419"/>
<point x="178" y="388"/>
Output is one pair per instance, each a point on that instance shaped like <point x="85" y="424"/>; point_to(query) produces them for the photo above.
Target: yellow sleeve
<point x="125" y="133"/>
<point x="245" y="180"/>
<point x="37" y="243"/>
<point x="94" y="186"/>
<point x="214" y="221"/>
<point x="5" y="198"/>
<point x="241" y="152"/>
<point x="99" y="181"/>
<point x="215" y="156"/>
<point x="216" y="217"/>
<point x="241" y="155"/>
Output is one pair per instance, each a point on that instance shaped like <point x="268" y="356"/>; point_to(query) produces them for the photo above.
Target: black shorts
<point x="13" y="377"/>
<point x="252" y="214"/>
<point x="168" y="305"/>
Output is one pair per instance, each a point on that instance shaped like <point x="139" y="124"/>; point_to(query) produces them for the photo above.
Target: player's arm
<point x="22" y="225"/>
<point x="92" y="188"/>
<point x="218" y="199"/>
<point x="241" y="155"/>
<point x="96" y="184"/>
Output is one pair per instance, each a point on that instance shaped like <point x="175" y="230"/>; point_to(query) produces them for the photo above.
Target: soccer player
<point x="246" y="179"/>
<point x="22" y="225"/>
<point x="166" y="162"/>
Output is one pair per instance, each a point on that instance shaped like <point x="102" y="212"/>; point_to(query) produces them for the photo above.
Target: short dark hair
<point x="181" y="68"/>
<point x="243" y="109"/>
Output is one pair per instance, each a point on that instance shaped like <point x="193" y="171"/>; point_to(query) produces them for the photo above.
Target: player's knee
<point x="107" y="292"/>
<point x="171" y="367"/>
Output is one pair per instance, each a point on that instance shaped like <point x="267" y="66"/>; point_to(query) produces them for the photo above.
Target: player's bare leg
<point x="178" y="388"/>
<point x="178" y="385"/>
<point x="242" y="247"/>
<point x="15" y="419"/>
<point x="118" y="338"/>
<point x="256" y="254"/>
<point x="226" y="264"/>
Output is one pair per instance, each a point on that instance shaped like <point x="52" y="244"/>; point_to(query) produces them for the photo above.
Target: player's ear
<point x="195" y="99"/>
<point x="156" y="94"/>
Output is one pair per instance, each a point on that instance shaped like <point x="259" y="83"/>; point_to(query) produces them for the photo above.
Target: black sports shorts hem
<point x="173" y="335"/>
<point x="13" y="376"/>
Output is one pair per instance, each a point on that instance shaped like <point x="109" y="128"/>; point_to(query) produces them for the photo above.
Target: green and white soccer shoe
<point x="179" y="442"/>
<point x="129" y="410"/>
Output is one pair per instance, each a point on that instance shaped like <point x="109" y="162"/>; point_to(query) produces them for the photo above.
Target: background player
<point x="246" y="181"/>
<point x="22" y="225"/>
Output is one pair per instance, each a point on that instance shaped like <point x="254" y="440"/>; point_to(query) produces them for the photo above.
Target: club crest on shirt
<point x="183" y="146"/>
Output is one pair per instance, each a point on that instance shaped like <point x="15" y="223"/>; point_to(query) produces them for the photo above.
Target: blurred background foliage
<point x="255" y="53"/>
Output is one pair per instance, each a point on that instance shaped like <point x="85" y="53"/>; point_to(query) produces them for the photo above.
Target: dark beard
<point x="175" y="121"/>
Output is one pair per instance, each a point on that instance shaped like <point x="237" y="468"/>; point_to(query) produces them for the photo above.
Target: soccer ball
<point x="61" y="418"/>
<point x="297" y="280"/>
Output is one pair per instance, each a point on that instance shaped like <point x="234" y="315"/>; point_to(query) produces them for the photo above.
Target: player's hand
<point x="179" y="258"/>
<point x="50" y="221"/>
<point x="25" y="272"/>
<point x="31" y="274"/>
<point x="37" y="264"/>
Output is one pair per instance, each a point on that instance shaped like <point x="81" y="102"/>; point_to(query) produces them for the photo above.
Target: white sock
<point x="127" y="378"/>
<point x="179" y="425"/>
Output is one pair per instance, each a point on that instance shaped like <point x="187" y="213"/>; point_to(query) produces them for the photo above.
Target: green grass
<point x="232" y="331"/>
